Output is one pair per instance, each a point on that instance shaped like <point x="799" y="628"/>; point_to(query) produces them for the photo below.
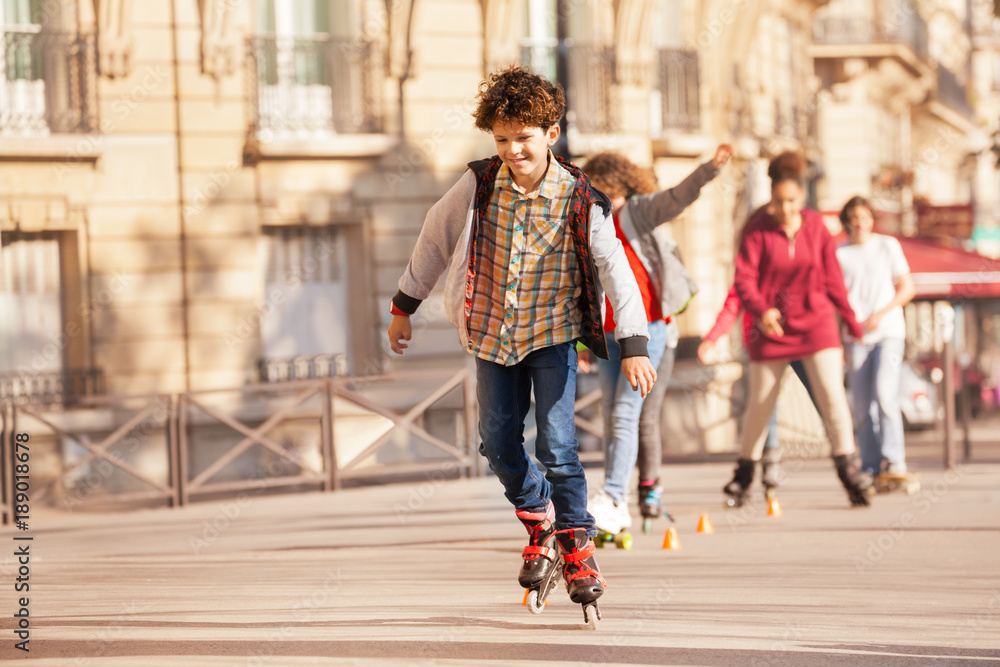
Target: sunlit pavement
<point x="424" y="574"/>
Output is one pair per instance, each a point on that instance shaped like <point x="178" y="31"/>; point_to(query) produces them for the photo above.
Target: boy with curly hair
<point x="532" y="253"/>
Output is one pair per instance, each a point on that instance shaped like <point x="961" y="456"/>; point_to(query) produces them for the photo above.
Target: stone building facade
<point x="198" y="194"/>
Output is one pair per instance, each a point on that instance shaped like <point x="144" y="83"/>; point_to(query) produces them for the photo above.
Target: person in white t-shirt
<point x="878" y="286"/>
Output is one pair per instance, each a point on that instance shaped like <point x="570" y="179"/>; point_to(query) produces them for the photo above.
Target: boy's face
<point x="525" y="150"/>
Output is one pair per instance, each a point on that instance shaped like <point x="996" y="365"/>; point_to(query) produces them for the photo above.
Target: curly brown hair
<point x="617" y="176"/>
<point x="519" y="96"/>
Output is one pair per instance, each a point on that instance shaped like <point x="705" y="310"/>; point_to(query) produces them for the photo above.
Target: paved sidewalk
<point x="424" y="574"/>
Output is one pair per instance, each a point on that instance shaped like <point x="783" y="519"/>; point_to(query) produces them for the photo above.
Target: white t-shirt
<point x="871" y="271"/>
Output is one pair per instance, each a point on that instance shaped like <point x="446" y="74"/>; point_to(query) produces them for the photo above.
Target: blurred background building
<point x="203" y="194"/>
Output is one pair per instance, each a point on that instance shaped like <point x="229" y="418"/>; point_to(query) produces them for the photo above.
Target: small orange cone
<point x="670" y="540"/>
<point x="773" y="508"/>
<point x="705" y="525"/>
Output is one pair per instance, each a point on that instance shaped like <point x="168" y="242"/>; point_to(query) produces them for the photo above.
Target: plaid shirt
<point x="527" y="284"/>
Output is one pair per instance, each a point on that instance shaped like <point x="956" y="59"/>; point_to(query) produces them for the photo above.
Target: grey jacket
<point x="444" y="243"/>
<point x="639" y="219"/>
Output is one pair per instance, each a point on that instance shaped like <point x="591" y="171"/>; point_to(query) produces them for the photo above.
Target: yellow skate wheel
<point x="623" y="540"/>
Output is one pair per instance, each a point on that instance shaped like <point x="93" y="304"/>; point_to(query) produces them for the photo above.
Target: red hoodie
<point x="801" y="279"/>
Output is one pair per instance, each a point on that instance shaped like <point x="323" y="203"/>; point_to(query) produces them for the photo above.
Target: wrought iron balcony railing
<point x="315" y="84"/>
<point x="48" y="83"/>
<point x="591" y="104"/>
<point x="680" y="106"/>
<point x="884" y="22"/>
<point x="303" y="368"/>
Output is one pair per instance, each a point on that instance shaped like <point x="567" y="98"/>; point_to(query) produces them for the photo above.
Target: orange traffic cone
<point x="705" y="525"/>
<point x="670" y="540"/>
<point x="773" y="507"/>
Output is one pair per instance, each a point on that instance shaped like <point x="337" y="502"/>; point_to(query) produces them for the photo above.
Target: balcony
<point x="680" y="107"/>
<point x="49" y="83"/>
<point x="301" y="87"/>
<point x="591" y="105"/>
<point x="880" y="22"/>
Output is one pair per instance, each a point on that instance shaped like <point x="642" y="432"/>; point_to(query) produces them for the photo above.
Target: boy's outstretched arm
<point x="665" y="205"/>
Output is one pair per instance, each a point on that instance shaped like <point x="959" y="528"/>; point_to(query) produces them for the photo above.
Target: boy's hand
<point x="400" y="329"/>
<point x="722" y="155"/>
<point x="585" y="361"/>
<point x="639" y="373"/>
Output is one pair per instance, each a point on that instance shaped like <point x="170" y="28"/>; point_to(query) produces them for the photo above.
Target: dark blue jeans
<point x="504" y="394"/>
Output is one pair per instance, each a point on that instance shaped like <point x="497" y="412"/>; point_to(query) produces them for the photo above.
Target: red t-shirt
<point x="650" y="299"/>
<point x="803" y="280"/>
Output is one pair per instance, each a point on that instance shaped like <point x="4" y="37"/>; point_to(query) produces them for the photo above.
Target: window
<point x="48" y="82"/>
<point x="305" y="316"/>
<point x="314" y="72"/>
<point x="30" y="298"/>
<point x="22" y="95"/>
<point x="589" y="64"/>
<point x="674" y="101"/>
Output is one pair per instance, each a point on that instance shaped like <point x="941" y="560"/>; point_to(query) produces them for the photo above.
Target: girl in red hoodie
<point x="790" y="283"/>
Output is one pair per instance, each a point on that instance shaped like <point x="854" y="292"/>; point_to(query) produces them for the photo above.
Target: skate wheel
<point x="912" y="488"/>
<point x="623" y="541"/>
<point x="534" y="605"/>
<point x="591" y="615"/>
<point x="733" y="502"/>
<point x="647" y="526"/>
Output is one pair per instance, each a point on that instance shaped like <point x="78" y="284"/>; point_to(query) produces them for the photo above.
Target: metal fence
<point x="315" y="84"/>
<point x="304" y="434"/>
<point x="49" y="82"/>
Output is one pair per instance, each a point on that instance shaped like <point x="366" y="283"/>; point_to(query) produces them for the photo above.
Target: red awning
<point x="941" y="271"/>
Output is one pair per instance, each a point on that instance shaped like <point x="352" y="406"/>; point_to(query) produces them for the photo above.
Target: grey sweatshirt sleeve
<point x="442" y="229"/>
<point x="654" y="209"/>
<point x="618" y="281"/>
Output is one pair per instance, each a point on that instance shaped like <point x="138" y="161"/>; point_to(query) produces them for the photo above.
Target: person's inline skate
<point x="584" y="582"/>
<point x="770" y="471"/>
<point x="651" y="504"/>
<point x="739" y="488"/>
<point x="611" y="519"/>
<point x="540" y="553"/>
<point x="856" y="481"/>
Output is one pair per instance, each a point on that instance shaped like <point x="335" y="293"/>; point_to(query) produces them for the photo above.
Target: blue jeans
<point x="621" y="406"/>
<point x="873" y="376"/>
<point x="504" y="394"/>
